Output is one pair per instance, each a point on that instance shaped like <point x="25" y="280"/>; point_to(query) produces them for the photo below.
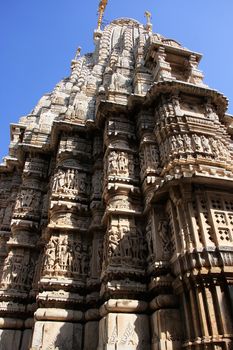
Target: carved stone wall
<point x="116" y="205"/>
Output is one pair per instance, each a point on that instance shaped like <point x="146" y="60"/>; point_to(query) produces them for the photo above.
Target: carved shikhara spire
<point x="102" y="6"/>
<point x="116" y="205"/>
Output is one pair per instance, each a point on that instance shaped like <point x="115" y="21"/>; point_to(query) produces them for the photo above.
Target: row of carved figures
<point x="120" y="163"/>
<point x="193" y="143"/>
<point x="18" y="271"/>
<point x="125" y="248"/>
<point x="70" y="180"/>
<point x="65" y="256"/>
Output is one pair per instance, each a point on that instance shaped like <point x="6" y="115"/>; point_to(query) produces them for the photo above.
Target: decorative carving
<point x="17" y="272"/>
<point x="66" y="256"/>
<point x="74" y="144"/>
<point x="205" y="144"/>
<point x="120" y="83"/>
<point x="120" y="164"/>
<point x="123" y="178"/>
<point x="123" y="203"/>
<point x="68" y="220"/>
<point x="149" y="239"/>
<point x="69" y="181"/>
<point x="125" y="245"/>
<point x="26" y="199"/>
<point x="164" y="233"/>
<point x="149" y="158"/>
<point x="187" y="143"/>
<point x="197" y="142"/>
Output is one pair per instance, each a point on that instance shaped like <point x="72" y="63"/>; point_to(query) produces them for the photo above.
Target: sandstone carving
<point x="116" y="205"/>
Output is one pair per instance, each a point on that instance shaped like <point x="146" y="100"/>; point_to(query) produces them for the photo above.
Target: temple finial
<point x="78" y="52"/>
<point x="148" y="17"/>
<point x="102" y="6"/>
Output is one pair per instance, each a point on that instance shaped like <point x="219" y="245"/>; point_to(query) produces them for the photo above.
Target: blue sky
<point x="39" y="39"/>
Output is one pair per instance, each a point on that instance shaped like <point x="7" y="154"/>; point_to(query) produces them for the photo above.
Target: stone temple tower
<point x="116" y="205"/>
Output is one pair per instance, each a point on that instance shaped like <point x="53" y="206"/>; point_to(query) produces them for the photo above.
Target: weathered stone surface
<point x="124" y="332"/>
<point x="91" y="335"/>
<point x="116" y="205"/>
<point x="167" y="332"/>
<point x="10" y="339"/>
<point x="57" y="335"/>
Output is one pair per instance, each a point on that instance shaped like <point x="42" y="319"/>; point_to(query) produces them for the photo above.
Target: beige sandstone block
<point x="57" y="335"/>
<point x="166" y="330"/>
<point x="124" y="332"/>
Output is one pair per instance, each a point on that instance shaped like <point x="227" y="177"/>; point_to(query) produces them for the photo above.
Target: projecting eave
<point x="228" y="121"/>
<point x="9" y="164"/>
<point x="165" y="87"/>
<point x="170" y="46"/>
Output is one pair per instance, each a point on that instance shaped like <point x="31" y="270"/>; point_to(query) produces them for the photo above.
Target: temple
<point x="116" y="205"/>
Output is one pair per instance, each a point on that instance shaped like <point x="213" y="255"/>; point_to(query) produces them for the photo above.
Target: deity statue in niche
<point x="58" y="181"/>
<point x="205" y="144"/>
<point x="113" y="164"/>
<point x="120" y="164"/>
<point x="173" y="143"/>
<point x="77" y="258"/>
<point x="164" y="234"/>
<point x="69" y="181"/>
<point x="187" y="143"/>
<point x="113" y="241"/>
<point x="18" y="272"/>
<point x="27" y="198"/>
<point x="180" y="143"/>
<point x="66" y="256"/>
<point x="197" y="142"/>
<point x="210" y="113"/>
<point x="50" y="254"/>
<point x="214" y="146"/>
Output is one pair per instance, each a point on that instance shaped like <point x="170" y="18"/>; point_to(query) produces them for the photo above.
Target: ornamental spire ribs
<point x="102" y="6"/>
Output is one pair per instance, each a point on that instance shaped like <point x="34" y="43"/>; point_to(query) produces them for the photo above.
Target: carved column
<point x="124" y="255"/>
<point x="204" y="287"/>
<point x="8" y="192"/>
<point x="165" y="316"/>
<point x="96" y="232"/>
<point x="65" y="260"/>
<point x="19" y="265"/>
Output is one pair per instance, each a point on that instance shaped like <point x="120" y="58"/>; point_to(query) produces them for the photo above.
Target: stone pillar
<point x="202" y="287"/>
<point x="124" y="326"/>
<point x="91" y="329"/>
<point x="64" y="262"/>
<point x="19" y="265"/>
<point x="57" y="328"/>
<point x="124" y="255"/>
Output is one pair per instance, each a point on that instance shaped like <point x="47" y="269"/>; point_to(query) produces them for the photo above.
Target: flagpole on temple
<point x="101" y="9"/>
